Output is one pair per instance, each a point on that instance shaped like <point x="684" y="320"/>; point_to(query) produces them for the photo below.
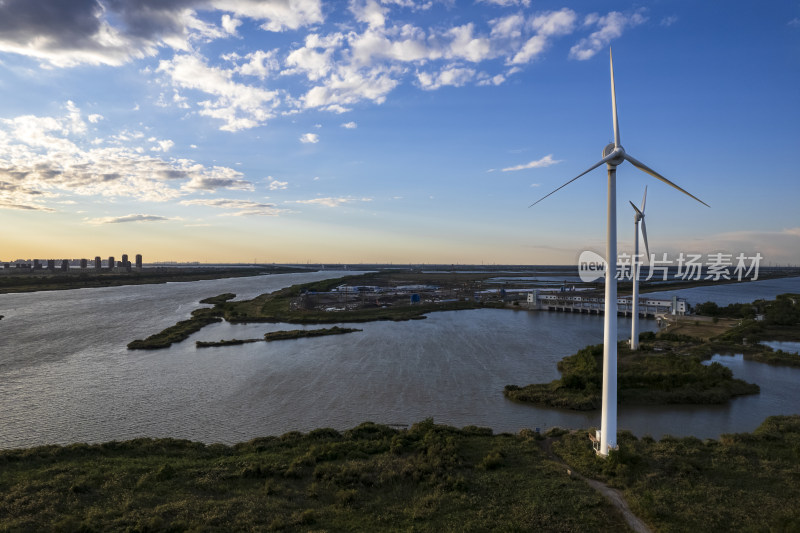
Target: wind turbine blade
<point x="614" y="100"/>
<point x="644" y="168"/>
<point x="644" y="199"/>
<point x="644" y="234"/>
<point x="604" y="160"/>
<point x="636" y="209"/>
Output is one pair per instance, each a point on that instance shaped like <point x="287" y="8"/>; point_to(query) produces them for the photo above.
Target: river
<point x="66" y="375"/>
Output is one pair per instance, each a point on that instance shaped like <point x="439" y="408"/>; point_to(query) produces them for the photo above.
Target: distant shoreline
<point x="46" y="281"/>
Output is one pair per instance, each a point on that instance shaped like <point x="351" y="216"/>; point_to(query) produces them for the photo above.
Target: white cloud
<point x="508" y="27"/>
<point x="332" y="202"/>
<point x="279" y="15"/>
<point x="350" y="85"/>
<point x="467" y="46"/>
<point x="241" y="207"/>
<point x="309" y="138"/>
<point x="506" y="3"/>
<point x="369" y="12"/>
<point x="449" y="76"/>
<point x="163" y="146"/>
<point x="215" y="178"/>
<point x="238" y="105"/>
<point x="350" y="125"/>
<point x="546" y="161"/>
<point x="259" y="63"/>
<point x="669" y="21"/>
<point x="315" y="58"/>
<point x="65" y="34"/>
<point x="546" y="25"/>
<point x="43" y="157"/>
<point x="494" y="80"/>
<point x="127" y="218"/>
<point x="611" y="26"/>
<point x="229" y="24"/>
<point x="95" y="118"/>
<point x="275" y="185"/>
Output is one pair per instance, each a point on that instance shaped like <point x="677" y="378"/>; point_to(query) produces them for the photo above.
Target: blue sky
<point x="402" y="131"/>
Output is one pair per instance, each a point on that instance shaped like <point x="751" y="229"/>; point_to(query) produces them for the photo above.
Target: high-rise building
<point x="51" y="264"/>
<point x="64" y="265"/>
<point x="36" y="264"/>
<point x="98" y="263"/>
<point x="138" y="261"/>
<point x="84" y="262"/>
<point x="111" y="263"/>
<point x="125" y="262"/>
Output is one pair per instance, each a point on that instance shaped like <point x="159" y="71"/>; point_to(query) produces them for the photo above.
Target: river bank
<point x="668" y="367"/>
<point x="299" y="304"/>
<point x="56" y="281"/>
<point x="429" y="478"/>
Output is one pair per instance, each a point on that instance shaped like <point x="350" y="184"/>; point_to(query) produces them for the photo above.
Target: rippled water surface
<point x="725" y="294"/>
<point x="66" y="375"/>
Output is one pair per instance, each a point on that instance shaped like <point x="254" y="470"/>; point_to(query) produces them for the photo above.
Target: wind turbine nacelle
<point x="617" y="151"/>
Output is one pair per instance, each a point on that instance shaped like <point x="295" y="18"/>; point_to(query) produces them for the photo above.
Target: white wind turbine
<point x="637" y="217"/>
<point x="613" y="155"/>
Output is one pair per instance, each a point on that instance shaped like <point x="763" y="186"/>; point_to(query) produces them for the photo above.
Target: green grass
<point x="301" y="333"/>
<point x="280" y="336"/>
<point x="370" y="478"/>
<point x="223" y="342"/>
<point x="46" y="281"/>
<point x="427" y="478"/>
<point x="277" y="307"/>
<point x="777" y="357"/>
<point x="219" y="299"/>
<point x="179" y="332"/>
<point x="645" y="376"/>
<point x="742" y="482"/>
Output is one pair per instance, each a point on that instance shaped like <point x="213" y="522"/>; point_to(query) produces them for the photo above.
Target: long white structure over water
<point x="593" y="304"/>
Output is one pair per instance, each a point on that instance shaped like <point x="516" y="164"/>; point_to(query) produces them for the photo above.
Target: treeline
<point x="666" y="377"/>
<point x="783" y="311"/>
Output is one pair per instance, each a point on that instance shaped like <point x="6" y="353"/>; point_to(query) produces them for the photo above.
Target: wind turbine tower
<point x="638" y="216"/>
<point x="613" y="156"/>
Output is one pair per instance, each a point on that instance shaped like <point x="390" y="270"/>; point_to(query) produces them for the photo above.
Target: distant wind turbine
<point x="613" y="155"/>
<point x="637" y="217"/>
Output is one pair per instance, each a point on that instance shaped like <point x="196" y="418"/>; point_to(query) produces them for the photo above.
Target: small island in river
<point x="668" y="367"/>
<point x="280" y="336"/>
<point x="332" y="301"/>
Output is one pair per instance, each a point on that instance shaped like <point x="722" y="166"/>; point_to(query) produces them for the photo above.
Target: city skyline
<point x="393" y="131"/>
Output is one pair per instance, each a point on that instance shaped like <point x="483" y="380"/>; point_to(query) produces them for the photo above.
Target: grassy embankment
<point x="742" y="482"/>
<point x="370" y="478"/>
<point x="185" y="328"/>
<point x="668" y="369"/>
<point x="672" y="375"/>
<point x="428" y="478"/>
<point x="281" y="336"/>
<point x="779" y="321"/>
<point x="283" y="306"/>
<point x="31" y="282"/>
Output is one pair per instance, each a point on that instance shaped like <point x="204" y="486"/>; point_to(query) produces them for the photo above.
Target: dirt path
<point x="613" y="495"/>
